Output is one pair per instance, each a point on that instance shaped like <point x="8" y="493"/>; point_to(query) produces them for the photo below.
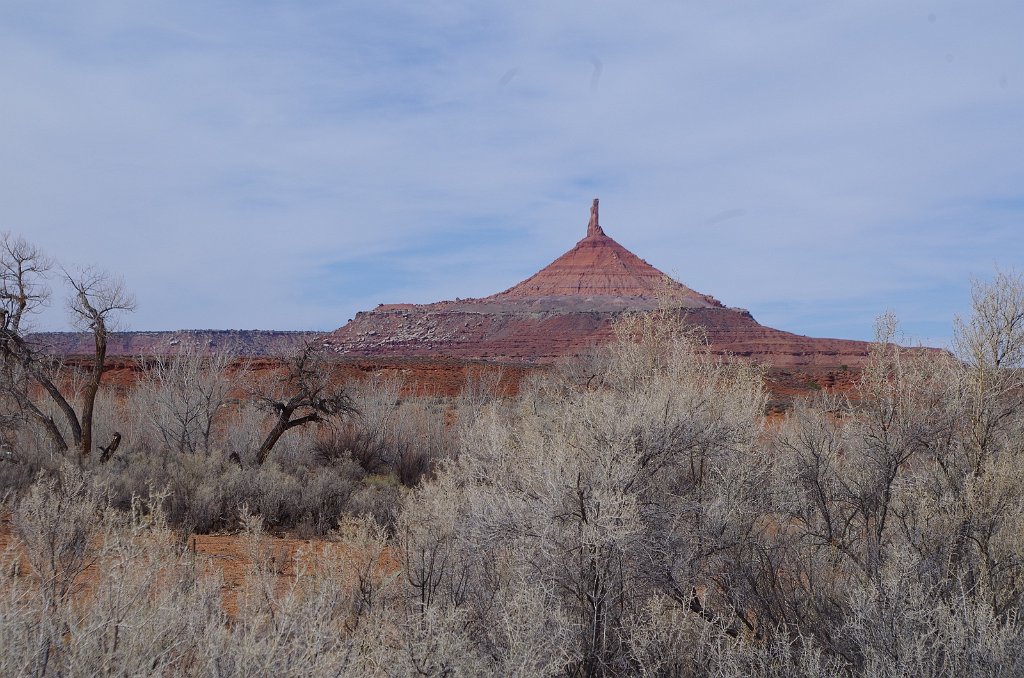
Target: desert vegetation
<point x="631" y="513"/>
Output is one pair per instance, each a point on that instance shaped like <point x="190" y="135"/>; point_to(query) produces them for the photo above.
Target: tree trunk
<point x="93" y="387"/>
<point x="63" y="404"/>
<point x="280" y="426"/>
<point x="284" y="422"/>
<point x="56" y="437"/>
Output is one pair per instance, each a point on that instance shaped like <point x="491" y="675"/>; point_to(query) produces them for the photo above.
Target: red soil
<point x="229" y="554"/>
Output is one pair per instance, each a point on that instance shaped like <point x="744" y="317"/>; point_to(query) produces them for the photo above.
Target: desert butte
<point x="566" y="309"/>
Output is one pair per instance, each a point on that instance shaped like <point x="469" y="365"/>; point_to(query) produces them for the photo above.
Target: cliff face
<point x="571" y="305"/>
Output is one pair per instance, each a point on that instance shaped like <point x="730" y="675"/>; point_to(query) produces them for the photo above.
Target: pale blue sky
<point x="284" y="165"/>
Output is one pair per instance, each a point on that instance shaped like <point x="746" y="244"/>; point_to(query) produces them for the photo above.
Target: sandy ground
<point x="227" y="552"/>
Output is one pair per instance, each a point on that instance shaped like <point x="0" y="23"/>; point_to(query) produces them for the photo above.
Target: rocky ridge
<point x="235" y="342"/>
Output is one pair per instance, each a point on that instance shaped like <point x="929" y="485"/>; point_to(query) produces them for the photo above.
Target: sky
<point x="283" y="165"/>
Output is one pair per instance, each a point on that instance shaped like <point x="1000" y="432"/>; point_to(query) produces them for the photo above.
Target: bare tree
<point x="371" y="439"/>
<point x="304" y="394"/>
<point x="991" y="345"/>
<point x="96" y="300"/>
<point x="993" y="336"/>
<point x="23" y="291"/>
<point x="185" y="393"/>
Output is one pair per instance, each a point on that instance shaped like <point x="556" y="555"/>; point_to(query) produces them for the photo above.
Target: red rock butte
<point x="570" y="306"/>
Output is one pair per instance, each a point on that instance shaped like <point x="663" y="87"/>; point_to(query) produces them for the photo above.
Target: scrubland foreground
<point x="632" y="514"/>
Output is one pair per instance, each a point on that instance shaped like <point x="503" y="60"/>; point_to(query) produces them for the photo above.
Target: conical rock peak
<point x="598" y="266"/>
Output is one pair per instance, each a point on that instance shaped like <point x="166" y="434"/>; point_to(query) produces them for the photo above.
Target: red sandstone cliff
<point x="569" y="306"/>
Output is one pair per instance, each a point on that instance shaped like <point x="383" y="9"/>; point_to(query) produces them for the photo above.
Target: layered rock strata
<point x="570" y="306"/>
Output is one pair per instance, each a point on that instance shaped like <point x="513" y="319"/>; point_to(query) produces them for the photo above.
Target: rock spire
<point x="594" y="229"/>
